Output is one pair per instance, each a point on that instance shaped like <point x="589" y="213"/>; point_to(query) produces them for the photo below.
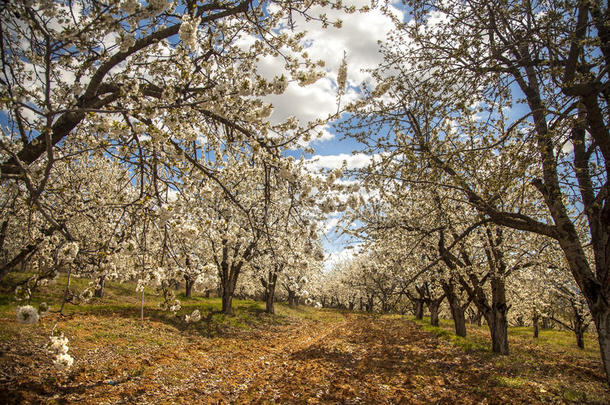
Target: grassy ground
<point x="122" y="301"/>
<point x="299" y="355"/>
<point x="552" y="360"/>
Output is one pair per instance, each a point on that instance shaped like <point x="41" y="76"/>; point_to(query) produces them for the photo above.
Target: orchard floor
<point x="341" y="358"/>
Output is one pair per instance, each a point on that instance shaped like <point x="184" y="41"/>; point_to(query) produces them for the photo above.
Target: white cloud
<point x="340" y="256"/>
<point x="331" y="222"/>
<point x="356" y="161"/>
<point x="568" y="147"/>
<point x="306" y="103"/>
<point x="358" y="38"/>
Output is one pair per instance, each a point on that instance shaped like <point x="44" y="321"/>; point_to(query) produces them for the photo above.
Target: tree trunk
<point x="535" y="322"/>
<point x="419" y="309"/>
<point x="601" y="318"/>
<point x="499" y="334"/>
<point x="459" y="320"/>
<point x="270" y="293"/>
<point x="99" y="289"/>
<point x="228" y="289"/>
<point x="477" y="318"/>
<point x="499" y="319"/>
<point x="227" y="302"/>
<point x="269" y="304"/>
<point x="457" y="311"/>
<point x="189" y="283"/>
<point x="433" y="306"/>
<point x="291" y="296"/>
<point x="207" y="293"/>
<point x="580" y="338"/>
<point x="369" y="305"/>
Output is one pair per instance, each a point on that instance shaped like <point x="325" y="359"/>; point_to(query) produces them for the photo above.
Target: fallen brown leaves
<point x="361" y="359"/>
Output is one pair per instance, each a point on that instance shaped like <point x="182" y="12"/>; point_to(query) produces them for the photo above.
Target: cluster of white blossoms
<point x="287" y="174"/>
<point x="176" y="306"/>
<point x="188" y="31"/>
<point x="342" y="76"/>
<point x="308" y="77"/>
<point x="195" y="316"/>
<point x="190" y="231"/>
<point x="69" y="251"/>
<point x="382" y="88"/>
<point x="27" y="314"/>
<point x="158" y="5"/>
<point x="130" y="6"/>
<point x="125" y="42"/>
<point x="334" y="175"/>
<point x="59" y="347"/>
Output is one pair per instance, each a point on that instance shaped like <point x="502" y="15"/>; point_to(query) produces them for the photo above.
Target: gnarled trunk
<point x="227" y="302"/>
<point x="99" y="288"/>
<point x="433" y="306"/>
<point x="419" y="309"/>
<point x="228" y="283"/>
<point x="292" y="297"/>
<point x="369" y="304"/>
<point x="457" y="311"/>
<point x="497" y="318"/>
<point x="580" y="338"/>
<point x="602" y="324"/>
<point x="270" y="284"/>
<point x="189" y="283"/>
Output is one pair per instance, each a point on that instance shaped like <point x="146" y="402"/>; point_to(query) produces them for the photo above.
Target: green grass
<point x="445" y="331"/>
<point x="561" y="339"/>
<point x="122" y="301"/>
<point x="511" y="382"/>
<point x="477" y="338"/>
<point x="545" y="362"/>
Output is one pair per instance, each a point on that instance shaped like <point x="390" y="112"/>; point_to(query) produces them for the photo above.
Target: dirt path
<point x="360" y="359"/>
<point x="366" y="360"/>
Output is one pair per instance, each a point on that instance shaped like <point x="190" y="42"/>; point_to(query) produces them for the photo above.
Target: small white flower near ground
<point x="58" y="345"/>
<point x="63" y="361"/>
<point x="27" y="314"/>
<point x="194" y="317"/>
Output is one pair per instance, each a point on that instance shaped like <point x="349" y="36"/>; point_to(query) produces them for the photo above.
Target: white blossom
<point x="63" y="361"/>
<point x="381" y="88"/>
<point x="195" y="316"/>
<point x="58" y="345"/>
<point x="125" y="42"/>
<point x="69" y="251"/>
<point x="27" y="314"/>
<point x="129" y="6"/>
<point x="306" y="78"/>
<point x="342" y="76"/>
<point x="188" y="31"/>
<point x="176" y="307"/>
<point x="158" y="5"/>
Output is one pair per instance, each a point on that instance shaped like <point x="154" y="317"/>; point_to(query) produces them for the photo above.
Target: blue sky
<point x="358" y="39"/>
